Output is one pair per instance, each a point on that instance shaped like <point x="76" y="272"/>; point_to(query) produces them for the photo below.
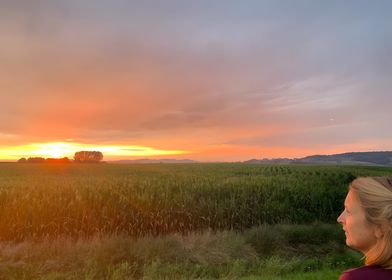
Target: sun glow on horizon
<point x="68" y="149"/>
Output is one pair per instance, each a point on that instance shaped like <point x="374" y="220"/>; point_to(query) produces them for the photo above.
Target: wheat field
<point x="169" y="221"/>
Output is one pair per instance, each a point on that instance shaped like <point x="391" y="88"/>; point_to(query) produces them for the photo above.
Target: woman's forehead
<point x="351" y="198"/>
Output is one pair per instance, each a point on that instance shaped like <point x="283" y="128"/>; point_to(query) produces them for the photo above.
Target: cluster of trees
<point x="88" y="156"/>
<point x="81" y="157"/>
<point x="44" y="160"/>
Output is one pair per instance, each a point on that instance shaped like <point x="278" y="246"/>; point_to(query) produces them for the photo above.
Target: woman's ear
<point x="379" y="231"/>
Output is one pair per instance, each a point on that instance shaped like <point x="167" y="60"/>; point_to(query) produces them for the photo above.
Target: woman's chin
<point x="348" y="242"/>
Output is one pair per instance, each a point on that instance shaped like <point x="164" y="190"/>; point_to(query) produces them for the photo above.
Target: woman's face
<point x="360" y="234"/>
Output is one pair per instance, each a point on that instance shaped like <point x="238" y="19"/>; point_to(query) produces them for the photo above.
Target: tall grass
<point x="208" y="255"/>
<point x="79" y="200"/>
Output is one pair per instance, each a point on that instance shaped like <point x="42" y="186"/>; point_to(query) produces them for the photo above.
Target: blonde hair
<point x="375" y="196"/>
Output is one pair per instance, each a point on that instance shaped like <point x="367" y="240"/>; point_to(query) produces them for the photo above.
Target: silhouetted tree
<point x="22" y="160"/>
<point x="88" y="156"/>
<point x="35" y="160"/>
<point x="58" y="160"/>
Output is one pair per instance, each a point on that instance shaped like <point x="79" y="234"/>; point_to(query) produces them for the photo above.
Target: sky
<point x="206" y="80"/>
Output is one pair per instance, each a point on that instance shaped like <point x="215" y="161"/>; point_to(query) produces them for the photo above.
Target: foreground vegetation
<point x="264" y="252"/>
<point x="177" y="221"/>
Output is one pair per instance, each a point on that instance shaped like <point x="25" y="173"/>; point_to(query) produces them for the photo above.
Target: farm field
<point x="174" y="221"/>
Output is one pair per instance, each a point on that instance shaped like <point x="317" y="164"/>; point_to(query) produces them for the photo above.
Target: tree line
<point x="79" y="157"/>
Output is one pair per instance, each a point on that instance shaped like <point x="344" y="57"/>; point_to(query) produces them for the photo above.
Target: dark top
<point x="367" y="273"/>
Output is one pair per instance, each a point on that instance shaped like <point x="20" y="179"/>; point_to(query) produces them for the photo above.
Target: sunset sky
<point x="214" y="80"/>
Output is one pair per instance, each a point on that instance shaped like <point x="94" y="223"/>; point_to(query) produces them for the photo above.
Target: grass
<point x="325" y="274"/>
<point x="208" y="255"/>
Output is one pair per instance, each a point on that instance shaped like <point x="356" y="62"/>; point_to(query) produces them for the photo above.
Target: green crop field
<point x="174" y="221"/>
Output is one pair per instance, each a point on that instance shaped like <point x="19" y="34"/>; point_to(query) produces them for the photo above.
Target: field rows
<point x="43" y="201"/>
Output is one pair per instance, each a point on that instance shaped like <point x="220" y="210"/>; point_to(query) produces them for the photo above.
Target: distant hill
<point x="383" y="158"/>
<point x="269" y="161"/>
<point x="168" y="160"/>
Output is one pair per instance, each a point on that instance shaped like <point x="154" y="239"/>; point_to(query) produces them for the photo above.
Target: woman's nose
<point x="341" y="218"/>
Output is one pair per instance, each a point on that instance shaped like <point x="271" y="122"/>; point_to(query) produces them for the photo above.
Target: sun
<point x="56" y="153"/>
<point x="53" y="150"/>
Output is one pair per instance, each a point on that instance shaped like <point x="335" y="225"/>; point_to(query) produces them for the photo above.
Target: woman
<point x="367" y="223"/>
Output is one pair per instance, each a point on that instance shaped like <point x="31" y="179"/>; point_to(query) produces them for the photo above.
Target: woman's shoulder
<point x="367" y="272"/>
